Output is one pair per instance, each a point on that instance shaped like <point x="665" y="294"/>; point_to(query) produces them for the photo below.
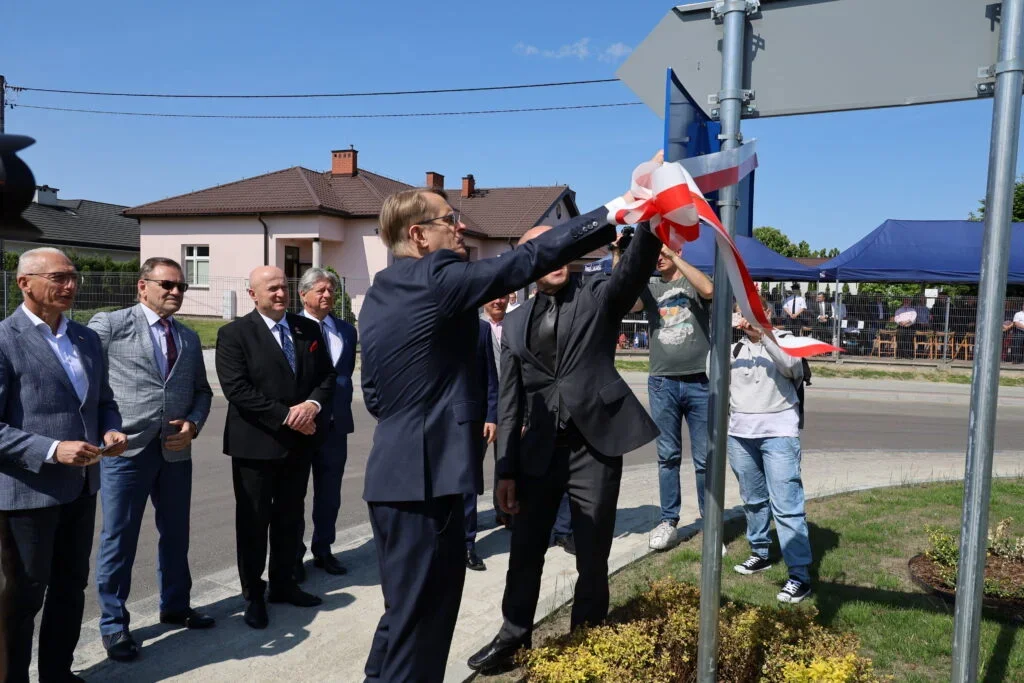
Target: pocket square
<point x="314" y="346"/>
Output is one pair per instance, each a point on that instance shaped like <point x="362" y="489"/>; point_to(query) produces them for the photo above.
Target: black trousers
<point x="592" y="482"/>
<point x="270" y="496"/>
<point x="49" y="552"/>
<point x="422" y="559"/>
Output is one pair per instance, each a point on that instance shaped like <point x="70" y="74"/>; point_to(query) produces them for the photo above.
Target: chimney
<point x="468" y="185"/>
<point x="435" y="181"/>
<point x="343" y="162"/>
<point x="46" y="195"/>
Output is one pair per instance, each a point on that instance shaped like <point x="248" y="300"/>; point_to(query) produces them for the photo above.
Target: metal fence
<point x="933" y="329"/>
<point x="111" y="291"/>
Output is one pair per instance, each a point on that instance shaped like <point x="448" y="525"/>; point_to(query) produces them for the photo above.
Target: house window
<point x="197" y="264"/>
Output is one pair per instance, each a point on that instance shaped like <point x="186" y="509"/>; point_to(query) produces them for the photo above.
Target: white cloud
<point x="615" y="52"/>
<point x="579" y="49"/>
<point x="524" y="49"/>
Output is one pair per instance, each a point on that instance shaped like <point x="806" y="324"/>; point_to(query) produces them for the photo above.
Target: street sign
<point x="811" y="56"/>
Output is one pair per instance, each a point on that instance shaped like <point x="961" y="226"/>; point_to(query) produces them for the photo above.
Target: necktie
<point x="172" y="348"/>
<point x="286" y="345"/>
<point x="543" y="338"/>
<point x="327" y="339"/>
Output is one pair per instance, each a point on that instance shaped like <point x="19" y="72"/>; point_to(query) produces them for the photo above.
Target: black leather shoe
<point x="256" y="613"/>
<point x="497" y="654"/>
<point x="121" y="647"/>
<point x="568" y="543"/>
<point x="189" y="619"/>
<point x="474" y="562"/>
<point x="299" y="572"/>
<point x="293" y="595"/>
<point x="330" y="564"/>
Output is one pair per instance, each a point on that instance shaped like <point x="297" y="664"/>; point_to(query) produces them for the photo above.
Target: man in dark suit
<point x="159" y="381"/>
<point x="319" y="290"/>
<point x="487" y="399"/>
<point x="558" y="380"/>
<point x="279" y="383"/>
<point x="56" y="408"/>
<point x="420" y="332"/>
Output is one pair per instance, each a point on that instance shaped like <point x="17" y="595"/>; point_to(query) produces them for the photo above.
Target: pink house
<point x="297" y="218"/>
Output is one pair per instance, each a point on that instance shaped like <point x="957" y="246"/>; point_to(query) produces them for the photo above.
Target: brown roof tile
<point x="505" y="212"/>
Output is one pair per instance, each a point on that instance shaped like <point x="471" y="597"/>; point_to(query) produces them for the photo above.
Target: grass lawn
<point x="861" y="543"/>
<point x="206" y="328"/>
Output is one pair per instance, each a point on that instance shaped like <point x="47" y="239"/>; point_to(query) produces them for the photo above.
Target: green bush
<point x="944" y="551"/>
<point x="655" y="640"/>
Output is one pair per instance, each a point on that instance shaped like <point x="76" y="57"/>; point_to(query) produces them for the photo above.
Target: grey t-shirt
<point x="679" y="324"/>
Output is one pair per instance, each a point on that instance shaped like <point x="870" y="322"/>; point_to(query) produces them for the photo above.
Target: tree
<point x="1018" y="204"/>
<point x="343" y="306"/>
<point x="777" y="241"/>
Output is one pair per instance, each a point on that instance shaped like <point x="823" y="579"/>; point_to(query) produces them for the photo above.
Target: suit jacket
<point x="38" y="405"/>
<point x="487" y="374"/>
<point x="601" y="404"/>
<point x="342" y="403"/>
<point x="260" y="386"/>
<point x="495" y="345"/>
<point x="146" y="401"/>
<point x="420" y="329"/>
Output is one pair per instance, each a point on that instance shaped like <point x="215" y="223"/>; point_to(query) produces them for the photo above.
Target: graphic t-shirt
<point x="679" y="323"/>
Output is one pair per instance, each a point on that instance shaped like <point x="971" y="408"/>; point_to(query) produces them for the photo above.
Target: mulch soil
<point x="927" y="574"/>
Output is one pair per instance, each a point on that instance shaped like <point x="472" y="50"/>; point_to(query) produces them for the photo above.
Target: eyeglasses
<point x="62" y="278"/>
<point x="451" y="219"/>
<point x="170" y="284"/>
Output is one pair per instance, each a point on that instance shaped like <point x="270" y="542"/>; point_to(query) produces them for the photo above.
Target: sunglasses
<point x="170" y="284"/>
<point x="63" y="278"/>
<point x="451" y="219"/>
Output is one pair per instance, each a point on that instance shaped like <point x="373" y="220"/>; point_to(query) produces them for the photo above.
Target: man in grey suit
<point x="319" y="289"/>
<point x="56" y="408"/>
<point x="159" y="381"/>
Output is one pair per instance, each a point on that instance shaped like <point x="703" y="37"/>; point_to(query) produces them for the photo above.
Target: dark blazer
<point x="38" y="405"/>
<point x="260" y="387"/>
<point x="342" y="404"/>
<point x="419" y="331"/>
<point x="601" y="404"/>
<point x="487" y="374"/>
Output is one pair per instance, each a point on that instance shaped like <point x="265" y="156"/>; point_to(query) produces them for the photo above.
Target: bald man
<point x="276" y="374"/>
<point x="565" y="418"/>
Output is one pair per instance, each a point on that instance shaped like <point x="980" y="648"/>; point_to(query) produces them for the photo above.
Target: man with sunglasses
<point x="158" y="377"/>
<point x="419" y="330"/>
<point x="56" y="411"/>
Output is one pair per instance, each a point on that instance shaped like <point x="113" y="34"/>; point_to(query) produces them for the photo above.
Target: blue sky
<point x="827" y="179"/>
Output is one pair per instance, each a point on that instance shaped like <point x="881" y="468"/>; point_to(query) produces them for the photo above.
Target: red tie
<point x="172" y="349"/>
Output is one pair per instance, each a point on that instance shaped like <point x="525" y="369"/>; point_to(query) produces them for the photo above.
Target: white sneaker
<point x="663" y="536"/>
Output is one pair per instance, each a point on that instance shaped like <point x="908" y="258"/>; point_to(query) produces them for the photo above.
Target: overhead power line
<point x="524" y="86"/>
<point x="404" y="115"/>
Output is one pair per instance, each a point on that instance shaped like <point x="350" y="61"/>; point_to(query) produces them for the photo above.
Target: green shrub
<point x="655" y="640"/>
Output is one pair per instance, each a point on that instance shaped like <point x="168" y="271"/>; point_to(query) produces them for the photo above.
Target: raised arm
<point x="628" y="281"/>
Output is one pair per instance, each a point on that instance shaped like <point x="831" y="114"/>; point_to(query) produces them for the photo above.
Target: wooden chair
<point x="924" y="345"/>
<point x="885" y="344"/>
<point x="943" y="341"/>
<point x="965" y="347"/>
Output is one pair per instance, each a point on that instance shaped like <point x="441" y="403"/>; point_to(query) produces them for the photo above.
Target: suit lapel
<point x="183" y="347"/>
<point x="566" y="315"/>
<point x="145" y="340"/>
<point x="88" y="365"/>
<point x="299" y="342"/>
<point x="525" y="336"/>
<point x="38" y="348"/>
<point x="269" y="340"/>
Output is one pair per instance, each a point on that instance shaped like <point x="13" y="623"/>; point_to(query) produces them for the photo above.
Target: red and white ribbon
<point x="667" y="196"/>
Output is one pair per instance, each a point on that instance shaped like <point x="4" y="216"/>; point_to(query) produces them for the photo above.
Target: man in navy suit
<point x="420" y="332"/>
<point x="56" y="409"/>
<point x="488" y="401"/>
<point x="319" y="289"/>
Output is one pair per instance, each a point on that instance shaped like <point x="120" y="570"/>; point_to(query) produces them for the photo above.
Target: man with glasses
<point x="419" y="332"/>
<point x="57" y="419"/>
<point x="158" y="377"/>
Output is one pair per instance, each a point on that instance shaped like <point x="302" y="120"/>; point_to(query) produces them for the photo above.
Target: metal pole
<point x="945" y="332"/>
<point x="1002" y="164"/>
<point x="3" y="103"/>
<point x="734" y="16"/>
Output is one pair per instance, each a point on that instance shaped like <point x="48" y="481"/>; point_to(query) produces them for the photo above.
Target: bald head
<point x="556" y="279"/>
<point x="268" y="288"/>
<point x="533" y="233"/>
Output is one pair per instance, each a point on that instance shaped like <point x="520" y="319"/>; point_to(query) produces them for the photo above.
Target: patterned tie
<point x="172" y="348"/>
<point x="286" y="345"/>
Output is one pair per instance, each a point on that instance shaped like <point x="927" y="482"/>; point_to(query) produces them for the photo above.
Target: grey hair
<point x="27" y="260"/>
<point x="315" y="275"/>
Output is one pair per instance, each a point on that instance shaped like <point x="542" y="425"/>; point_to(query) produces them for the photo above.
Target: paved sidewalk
<point x="330" y="643"/>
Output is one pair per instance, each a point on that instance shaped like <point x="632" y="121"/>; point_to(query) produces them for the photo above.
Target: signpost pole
<point x="1002" y="162"/>
<point x="734" y="17"/>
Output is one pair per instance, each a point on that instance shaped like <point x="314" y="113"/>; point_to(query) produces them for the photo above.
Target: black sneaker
<point x="794" y="591"/>
<point x="753" y="565"/>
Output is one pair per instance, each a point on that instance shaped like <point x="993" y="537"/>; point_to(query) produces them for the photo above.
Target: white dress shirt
<point x="67" y="356"/>
<point x="1018" y="317"/>
<point x="795" y="305"/>
<point x="496" y="326"/>
<point x="331" y="335"/>
<point x="156" y="334"/>
<point x="283" y="322"/>
<point x="905" y="316"/>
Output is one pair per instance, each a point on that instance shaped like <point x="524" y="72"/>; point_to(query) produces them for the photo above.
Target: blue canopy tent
<point x="762" y="262"/>
<point x="921" y="251"/>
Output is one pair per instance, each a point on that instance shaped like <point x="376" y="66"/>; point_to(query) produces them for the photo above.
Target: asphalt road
<point x="831" y="424"/>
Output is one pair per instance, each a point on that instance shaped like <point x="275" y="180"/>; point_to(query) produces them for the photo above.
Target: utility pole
<point x="3" y="102"/>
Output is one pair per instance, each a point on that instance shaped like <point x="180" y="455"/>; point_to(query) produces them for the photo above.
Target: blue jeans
<point x="768" y="472"/>
<point x="563" y="522"/>
<point x="126" y="484"/>
<point x="672" y="401"/>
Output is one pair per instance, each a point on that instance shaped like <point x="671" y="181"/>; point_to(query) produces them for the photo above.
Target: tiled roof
<point x="84" y="223"/>
<point x="498" y="213"/>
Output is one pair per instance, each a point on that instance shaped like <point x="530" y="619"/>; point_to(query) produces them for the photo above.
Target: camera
<point x="626" y="237"/>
